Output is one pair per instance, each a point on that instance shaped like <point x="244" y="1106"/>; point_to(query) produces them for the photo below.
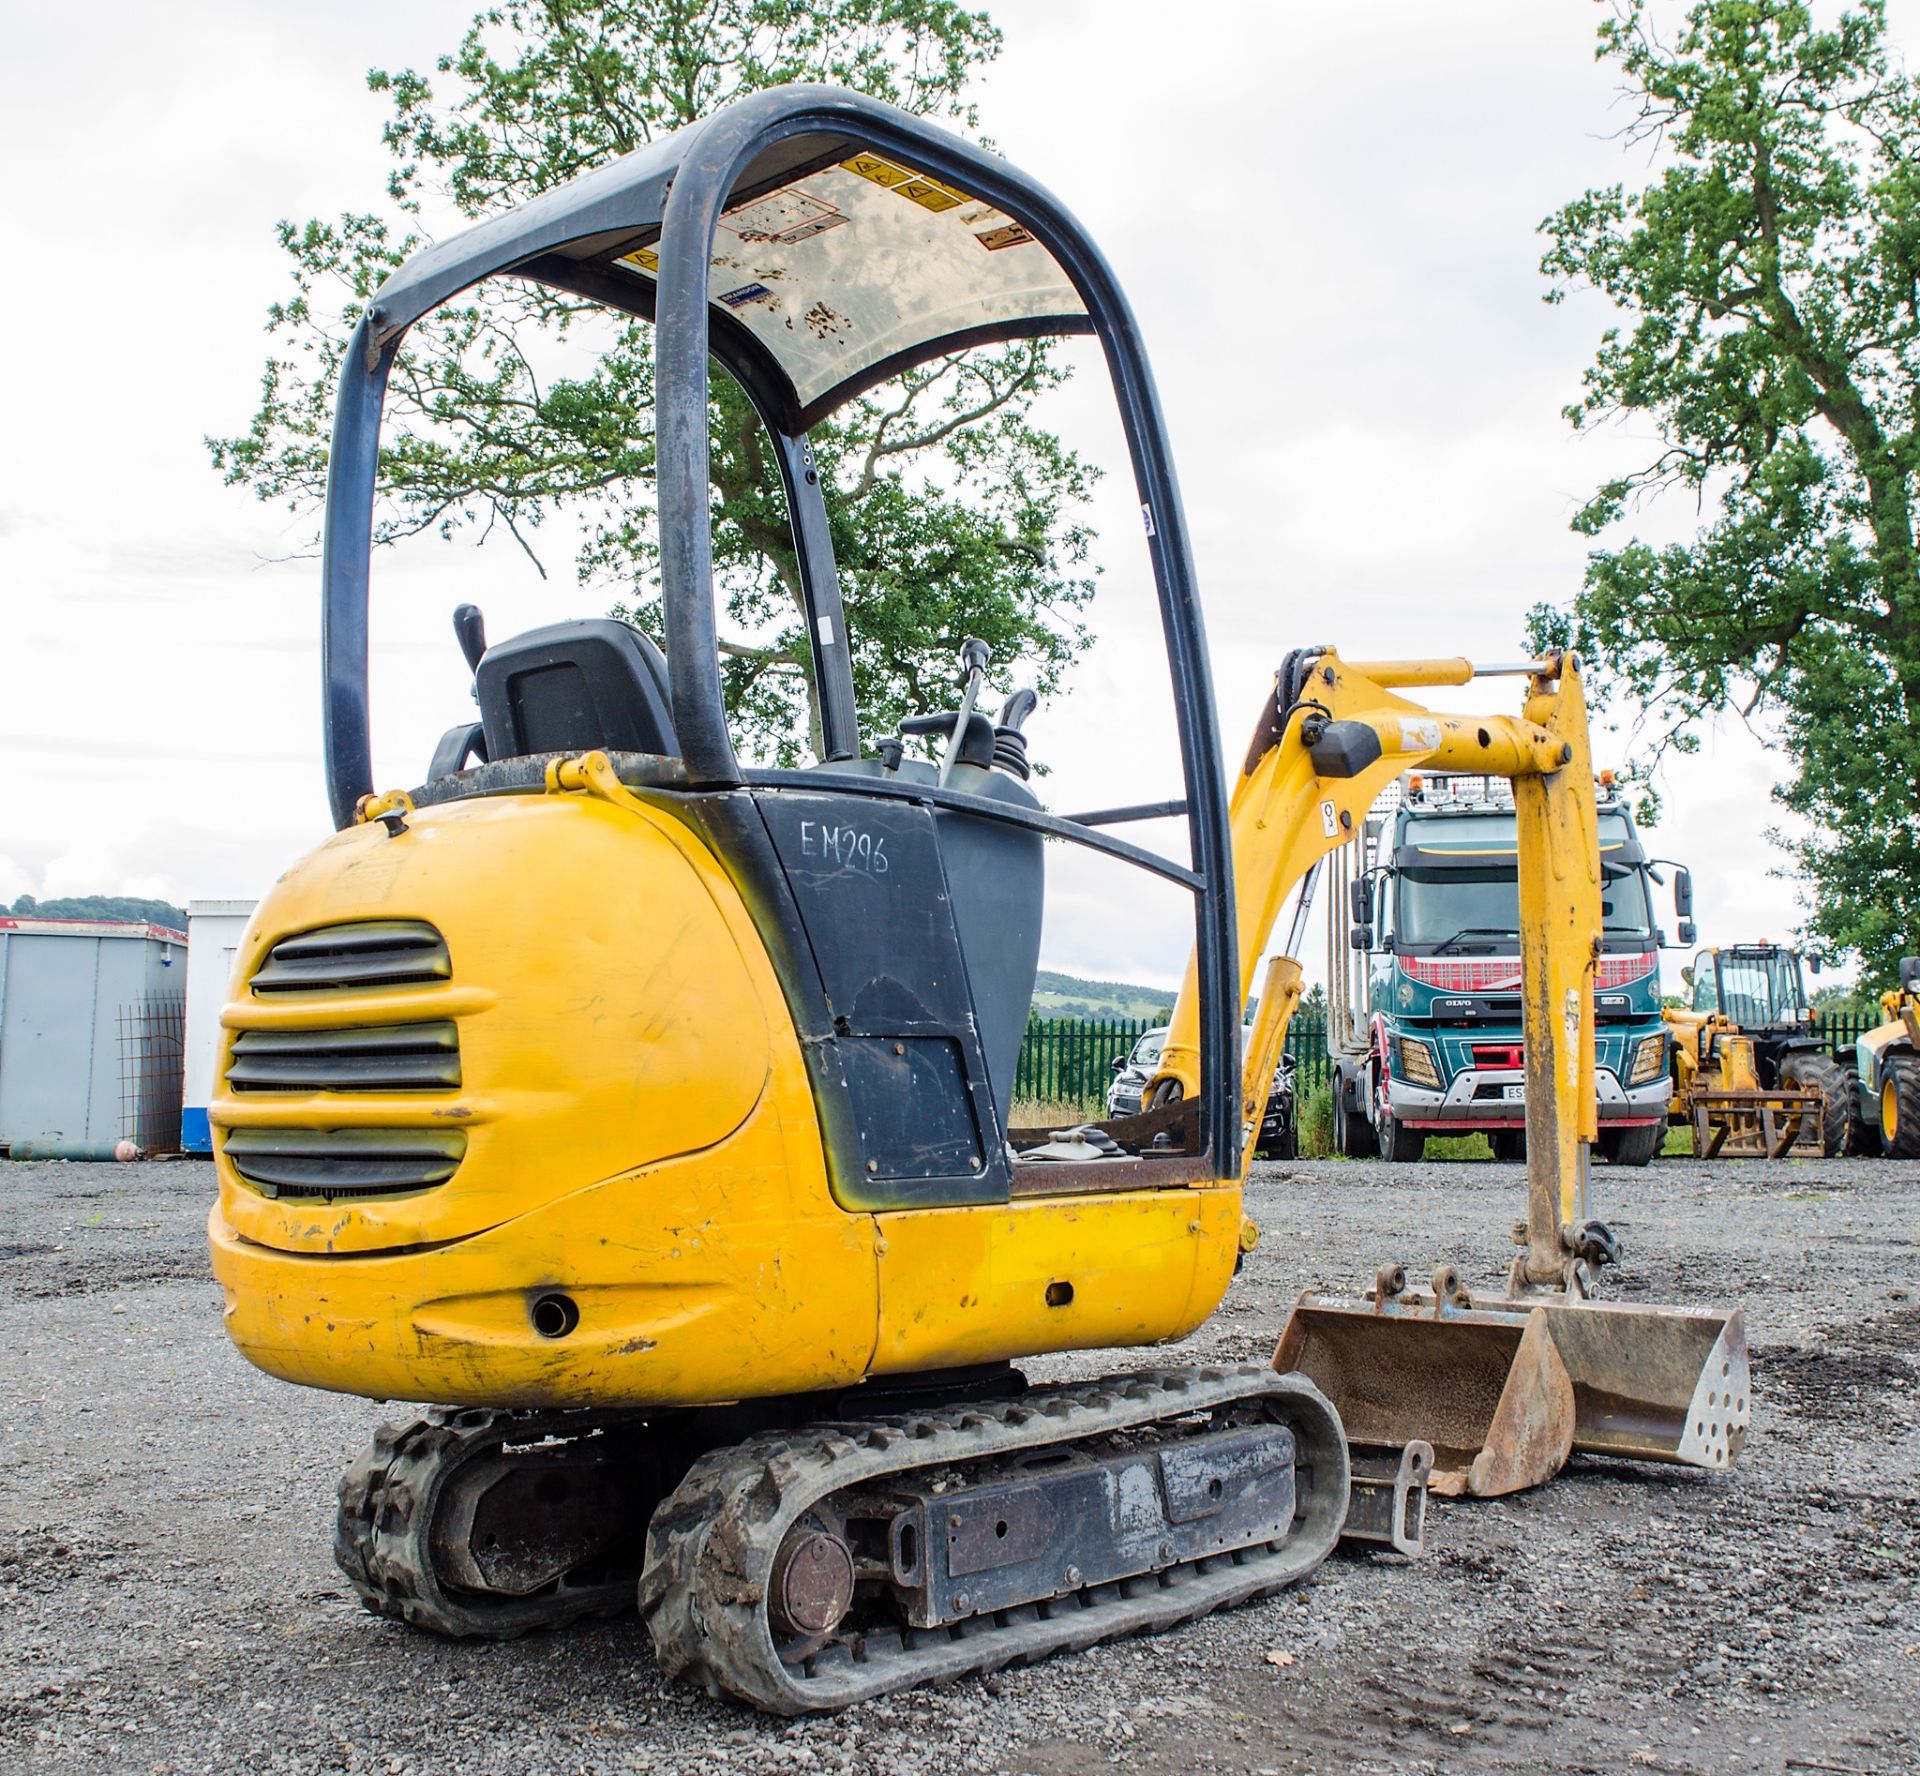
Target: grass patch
<point x="1315" y="1116"/>
<point x="1458" y="1147"/>
<point x="1054" y="1113"/>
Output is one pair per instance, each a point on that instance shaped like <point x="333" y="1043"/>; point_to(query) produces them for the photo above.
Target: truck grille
<point x="335" y="1163"/>
<point x="369" y="953"/>
<point x="389" y="1057"/>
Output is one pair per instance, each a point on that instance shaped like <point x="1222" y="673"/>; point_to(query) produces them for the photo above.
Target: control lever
<point x="975" y="657"/>
<point x="470" y="630"/>
<point x="1009" y="743"/>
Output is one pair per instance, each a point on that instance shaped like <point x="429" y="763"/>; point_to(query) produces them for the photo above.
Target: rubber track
<point x="711" y="1545"/>
<point x="382" y="1534"/>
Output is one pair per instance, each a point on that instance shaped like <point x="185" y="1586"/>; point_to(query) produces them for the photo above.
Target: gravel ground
<point x="168" y="1602"/>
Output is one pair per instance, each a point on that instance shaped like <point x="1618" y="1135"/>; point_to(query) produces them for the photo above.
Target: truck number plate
<point x="1514" y="1094"/>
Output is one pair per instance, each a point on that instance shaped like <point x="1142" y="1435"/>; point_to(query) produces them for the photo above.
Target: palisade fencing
<point x="1070" y="1060"/>
<point x="1842" y="1029"/>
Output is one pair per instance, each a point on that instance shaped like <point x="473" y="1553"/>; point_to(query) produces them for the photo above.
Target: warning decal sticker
<point x="1009" y="235"/>
<point x="928" y="193"/>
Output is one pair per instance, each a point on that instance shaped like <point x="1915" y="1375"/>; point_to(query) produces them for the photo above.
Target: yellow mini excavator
<point x="649" y="1114"/>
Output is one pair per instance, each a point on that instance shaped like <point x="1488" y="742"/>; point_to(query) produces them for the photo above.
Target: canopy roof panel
<point x="835" y="264"/>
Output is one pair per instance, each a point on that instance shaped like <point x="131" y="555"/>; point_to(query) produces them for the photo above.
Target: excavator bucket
<point x="1488" y="1390"/>
<point x="1505" y="1393"/>
<point x="1666" y="1384"/>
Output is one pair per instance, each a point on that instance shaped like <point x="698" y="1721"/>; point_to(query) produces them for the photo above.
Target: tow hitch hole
<point x="1059" y="1294"/>
<point x="554" y="1316"/>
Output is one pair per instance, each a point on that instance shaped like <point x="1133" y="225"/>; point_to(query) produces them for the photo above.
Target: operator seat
<point x="592" y="682"/>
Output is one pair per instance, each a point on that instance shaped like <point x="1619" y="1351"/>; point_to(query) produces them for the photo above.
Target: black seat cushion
<point x="571" y="687"/>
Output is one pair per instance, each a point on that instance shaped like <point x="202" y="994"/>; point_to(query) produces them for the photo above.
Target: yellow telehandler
<point x="649" y="1113"/>
<point x="1887" y="1067"/>
<point x="1751" y="1079"/>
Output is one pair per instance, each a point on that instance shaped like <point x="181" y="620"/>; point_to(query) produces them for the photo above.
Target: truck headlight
<point x="1649" y="1059"/>
<point x="1416" y="1064"/>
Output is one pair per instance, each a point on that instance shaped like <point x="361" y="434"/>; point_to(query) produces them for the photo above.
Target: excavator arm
<point x="1334" y="735"/>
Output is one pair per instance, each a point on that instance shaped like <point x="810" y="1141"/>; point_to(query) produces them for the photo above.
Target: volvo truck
<point x="1423" y="964"/>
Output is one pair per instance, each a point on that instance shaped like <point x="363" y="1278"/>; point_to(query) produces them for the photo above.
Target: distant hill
<point x="1069" y="996"/>
<point x="100" y="906"/>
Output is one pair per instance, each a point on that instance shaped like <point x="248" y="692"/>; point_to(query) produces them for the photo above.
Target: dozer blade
<point x="1487" y="1390"/>
<point x="1667" y="1384"/>
<point x="1504" y="1394"/>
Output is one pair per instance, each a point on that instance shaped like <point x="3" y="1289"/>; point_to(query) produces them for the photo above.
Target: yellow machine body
<point x="633" y="1130"/>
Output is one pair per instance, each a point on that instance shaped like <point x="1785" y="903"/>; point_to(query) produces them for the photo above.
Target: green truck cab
<point x="1424" y="1018"/>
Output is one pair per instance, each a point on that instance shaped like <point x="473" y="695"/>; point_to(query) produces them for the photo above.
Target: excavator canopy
<point x="836" y="263"/>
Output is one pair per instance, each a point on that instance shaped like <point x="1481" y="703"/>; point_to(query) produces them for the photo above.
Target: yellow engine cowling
<point x="620" y="1195"/>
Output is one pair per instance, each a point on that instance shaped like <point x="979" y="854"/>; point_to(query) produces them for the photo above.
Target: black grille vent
<point x="392" y="1057"/>
<point x="334" y="1163"/>
<point x="372" y="953"/>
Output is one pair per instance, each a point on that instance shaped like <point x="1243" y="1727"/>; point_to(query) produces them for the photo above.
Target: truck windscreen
<point x="1478" y="906"/>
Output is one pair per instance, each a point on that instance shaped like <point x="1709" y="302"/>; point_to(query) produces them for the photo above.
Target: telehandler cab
<point x="650" y="1112"/>
<point x="1751" y="1078"/>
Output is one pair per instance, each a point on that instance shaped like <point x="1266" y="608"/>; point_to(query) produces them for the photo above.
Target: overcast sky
<point x="1325" y="216"/>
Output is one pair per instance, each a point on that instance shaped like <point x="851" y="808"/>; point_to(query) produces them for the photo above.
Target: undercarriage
<point x="805" y="1568"/>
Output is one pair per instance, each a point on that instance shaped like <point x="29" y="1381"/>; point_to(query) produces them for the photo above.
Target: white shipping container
<point x="214" y="930"/>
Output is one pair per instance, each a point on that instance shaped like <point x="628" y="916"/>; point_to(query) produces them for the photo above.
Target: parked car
<point x="1131" y="1072"/>
<point x="1278" y="1137"/>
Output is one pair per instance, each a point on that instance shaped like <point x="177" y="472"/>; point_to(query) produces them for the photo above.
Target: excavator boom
<point x="1503" y="1390"/>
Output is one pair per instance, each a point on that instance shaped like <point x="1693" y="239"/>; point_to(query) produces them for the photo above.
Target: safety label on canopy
<point x="928" y="193"/>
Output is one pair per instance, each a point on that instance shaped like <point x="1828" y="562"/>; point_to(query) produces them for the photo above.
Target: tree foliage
<point x="953" y="511"/>
<point x="1769" y="276"/>
<point x="101" y="906"/>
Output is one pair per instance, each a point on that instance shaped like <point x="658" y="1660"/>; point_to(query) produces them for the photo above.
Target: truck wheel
<point x="1398" y="1144"/>
<point x="1509" y="1145"/>
<point x="1900" y="1108"/>
<point x="1359" y="1135"/>
<point x="1839" y="1098"/>
<point x="1632" y="1146"/>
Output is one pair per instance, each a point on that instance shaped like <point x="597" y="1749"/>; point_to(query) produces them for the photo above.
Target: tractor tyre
<point x="1900" y="1107"/>
<point x="1509" y="1145"/>
<point x="1839" y="1101"/>
<point x="1632" y="1146"/>
<point x="1863" y="1130"/>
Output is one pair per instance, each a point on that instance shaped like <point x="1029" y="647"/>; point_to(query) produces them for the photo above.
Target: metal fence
<point x="152" y="1050"/>
<point x="1070" y="1060"/>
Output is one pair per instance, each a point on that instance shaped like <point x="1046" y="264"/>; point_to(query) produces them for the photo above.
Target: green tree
<point x="953" y="512"/>
<point x="1769" y="277"/>
<point x="101" y="906"/>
